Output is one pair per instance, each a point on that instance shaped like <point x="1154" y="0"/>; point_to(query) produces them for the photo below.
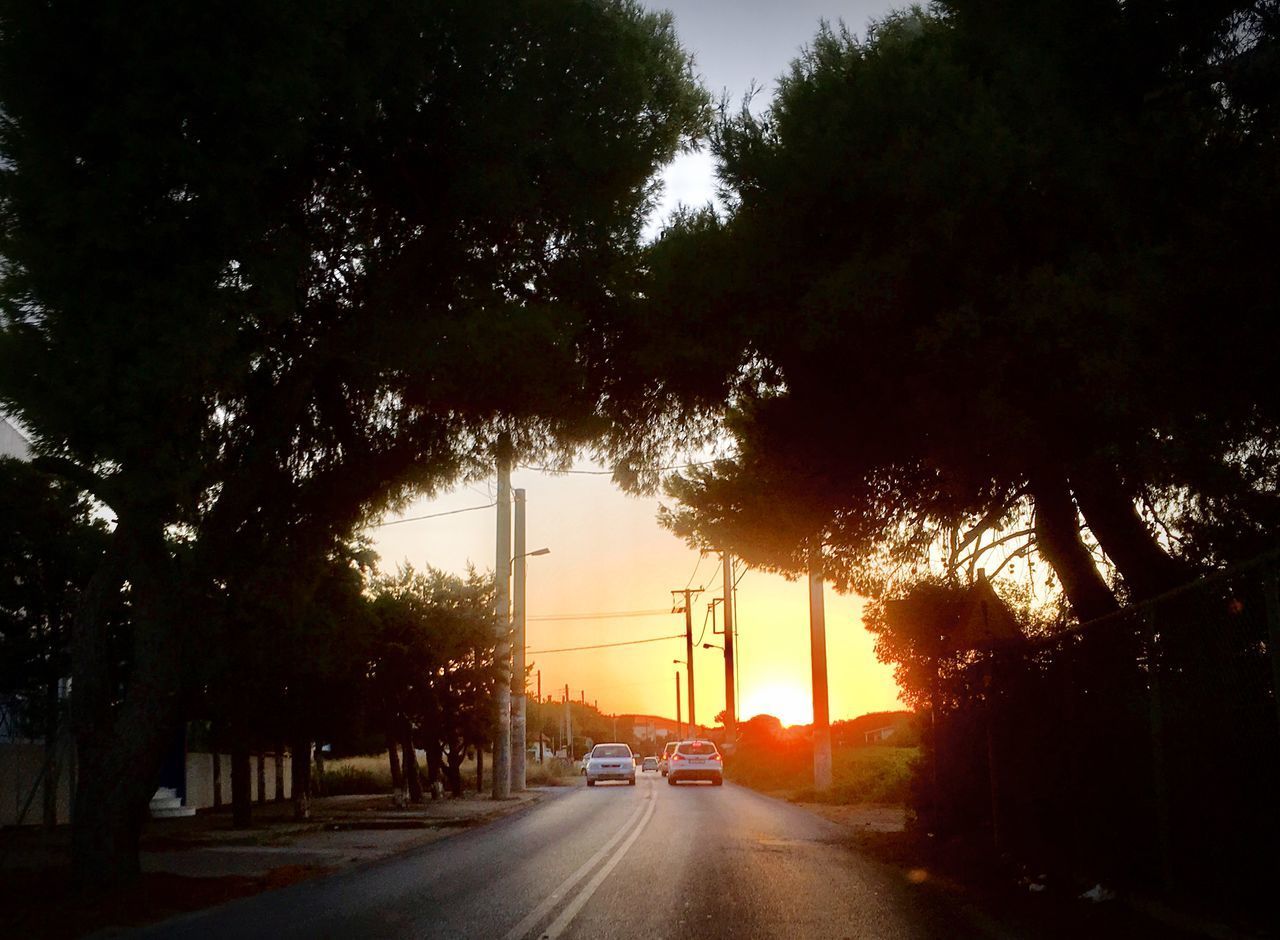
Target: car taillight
<point x="677" y="757"/>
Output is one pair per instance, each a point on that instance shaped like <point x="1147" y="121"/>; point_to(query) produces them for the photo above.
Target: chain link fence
<point x="1139" y="750"/>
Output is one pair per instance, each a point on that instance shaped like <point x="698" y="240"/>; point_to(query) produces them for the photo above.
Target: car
<point x="611" y="762"/>
<point x="664" y="761"/>
<point x="695" y="760"/>
<point x="649" y="763"/>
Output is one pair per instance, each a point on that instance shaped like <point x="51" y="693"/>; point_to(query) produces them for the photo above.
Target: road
<point x="612" y="861"/>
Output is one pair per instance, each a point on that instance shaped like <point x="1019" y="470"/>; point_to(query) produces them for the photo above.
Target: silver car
<point x="696" y="760"/>
<point x="611" y="762"/>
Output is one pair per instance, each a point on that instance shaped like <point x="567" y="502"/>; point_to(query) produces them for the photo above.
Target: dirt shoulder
<point x="996" y="897"/>
<point x="193" y="863"/>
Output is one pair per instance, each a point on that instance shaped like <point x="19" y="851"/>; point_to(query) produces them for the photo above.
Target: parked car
<point x="649" y="763"/>
<point x="665" y="759"/>
<point x="695" y="760"/>
<point x="611" y="762"/>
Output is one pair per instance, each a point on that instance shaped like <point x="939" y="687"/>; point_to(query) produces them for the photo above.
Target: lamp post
<point x="519" y="742"/>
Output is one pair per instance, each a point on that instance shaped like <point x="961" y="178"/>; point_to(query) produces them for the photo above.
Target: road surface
<point x="612" y="861"/>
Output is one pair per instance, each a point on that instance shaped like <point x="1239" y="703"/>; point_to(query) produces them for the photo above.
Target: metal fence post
<point x="1158" y="764"/>
<point x="1271" y="587"/>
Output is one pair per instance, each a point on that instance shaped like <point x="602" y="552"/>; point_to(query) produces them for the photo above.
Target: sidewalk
<point x="200" y="861"/>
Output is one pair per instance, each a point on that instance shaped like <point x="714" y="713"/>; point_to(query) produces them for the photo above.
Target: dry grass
<point x="372" y="774"/>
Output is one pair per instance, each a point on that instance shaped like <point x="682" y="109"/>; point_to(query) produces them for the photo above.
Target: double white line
<point x="572" y="907"/>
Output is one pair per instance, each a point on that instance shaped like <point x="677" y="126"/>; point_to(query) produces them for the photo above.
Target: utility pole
<point x="568" y="724"/>
<point x="688" y="643"/>
<point x="541" y="748"/>
<point x="730" y="703"/>
<point x="519" y="741"/>
<point x="818" y="654"/>
<point x="502" y="651"/>
<point x="679" y="720"/>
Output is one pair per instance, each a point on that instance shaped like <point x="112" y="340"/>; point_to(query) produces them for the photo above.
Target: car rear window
<point x="698" y="748"/>
<point x="611" y="750"/>
<point x="666" y="751"/>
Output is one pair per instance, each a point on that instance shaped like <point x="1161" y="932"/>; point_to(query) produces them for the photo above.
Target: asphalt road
<point x="693" y="861"/>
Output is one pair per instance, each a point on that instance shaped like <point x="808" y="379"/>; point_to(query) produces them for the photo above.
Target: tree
<point x="256" y="258"/>
<point x="432" y="668"/>
<point x="49" y="546"/>
<point x="981" y="246"/>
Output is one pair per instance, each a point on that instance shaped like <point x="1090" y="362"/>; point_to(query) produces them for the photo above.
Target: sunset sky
<point x="607" y="552"/>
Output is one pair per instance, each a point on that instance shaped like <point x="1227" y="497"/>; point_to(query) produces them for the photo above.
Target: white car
<point x="665" y="760"/>
<point x="695" y="760"/>
<point x="611" y="762"/>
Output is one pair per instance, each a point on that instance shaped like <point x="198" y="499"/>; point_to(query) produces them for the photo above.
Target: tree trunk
<point x="432" y="746"/>
<point x="393" y="758"/>
<point x="480" y="768"/>
<point x="316" y="770"/>
<point x="241" y="786"/>
<point x="121" y="746"/>
<point x="1113" y="518"/>
<point x="410" y="764"/>
<point x="457" y="753"/>
<point x="1058" y="542"/>
<point x="279" y="760"/>
<point x="300" y="767"/>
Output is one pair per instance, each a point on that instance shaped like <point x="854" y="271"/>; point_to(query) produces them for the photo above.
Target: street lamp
<point x="713" y="646"/>
<point x="519" y="740"/>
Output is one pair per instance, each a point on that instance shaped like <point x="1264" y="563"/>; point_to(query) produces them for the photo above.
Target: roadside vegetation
<point x="777" y="760"/>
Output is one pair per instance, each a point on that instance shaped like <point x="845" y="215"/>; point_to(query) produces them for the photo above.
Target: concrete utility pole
<point x="818" y="653"/>
<point x="730" y="703"/>
<point x="502" y="627"/>
<point x="688" y="644"/>
<point x="519" y="742"/>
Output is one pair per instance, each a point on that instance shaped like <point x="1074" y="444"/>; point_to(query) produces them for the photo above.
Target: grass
<point x="372" y="774"/>
<point x="877" y="774"/>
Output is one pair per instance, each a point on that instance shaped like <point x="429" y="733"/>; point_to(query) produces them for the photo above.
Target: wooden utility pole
<point x="568" y="724"/>
<point x="519" y="743"/>
<point x="688" y="644"/>
<point x="730" y="702"/>
<point x="818" y="654"/>
<point x="679" y="720"/>
<point x="541" y="747"/>
<point x="502" y="628"/>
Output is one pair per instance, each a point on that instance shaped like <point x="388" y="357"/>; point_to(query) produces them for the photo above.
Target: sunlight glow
<point x="788" y="703"/>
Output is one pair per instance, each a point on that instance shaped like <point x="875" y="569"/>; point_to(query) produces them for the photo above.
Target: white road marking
<point x="542" y="910"/>
<point x="571" y="910"/>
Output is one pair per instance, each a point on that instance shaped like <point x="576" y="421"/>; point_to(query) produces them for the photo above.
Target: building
<point x="13" y="443"/>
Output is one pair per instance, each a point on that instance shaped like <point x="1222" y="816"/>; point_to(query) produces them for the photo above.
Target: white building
<point x="12" y="442"/>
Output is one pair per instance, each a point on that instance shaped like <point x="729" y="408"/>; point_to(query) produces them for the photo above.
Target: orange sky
<point x="608" y="554"/>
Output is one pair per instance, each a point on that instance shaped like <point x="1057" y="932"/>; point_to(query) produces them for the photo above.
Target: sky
<point x="607" y="552"/>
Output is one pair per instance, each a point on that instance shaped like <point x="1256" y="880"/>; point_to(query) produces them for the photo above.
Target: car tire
<point x="671" y="781"/>
<point x="718" y="781"/>
<point x="590" y="782"/>
<point x="664" y="773"/>
<point x="631" y="782"/>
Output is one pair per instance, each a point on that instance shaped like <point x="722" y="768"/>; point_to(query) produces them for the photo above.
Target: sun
<point x="788" y="703"/>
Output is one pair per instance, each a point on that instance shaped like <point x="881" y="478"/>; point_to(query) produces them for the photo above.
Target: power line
<point x="600" y="646"/>
<point x="434" y="515"/>
<point x="604" y="615"/>
<point x="701" y="557"/>
<point x="705" y="618"/>
<point x="602" y="473"/>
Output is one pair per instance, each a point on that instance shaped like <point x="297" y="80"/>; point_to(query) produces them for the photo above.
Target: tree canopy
<point x="982" y="261"/>
<point x="267" y="269"/>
